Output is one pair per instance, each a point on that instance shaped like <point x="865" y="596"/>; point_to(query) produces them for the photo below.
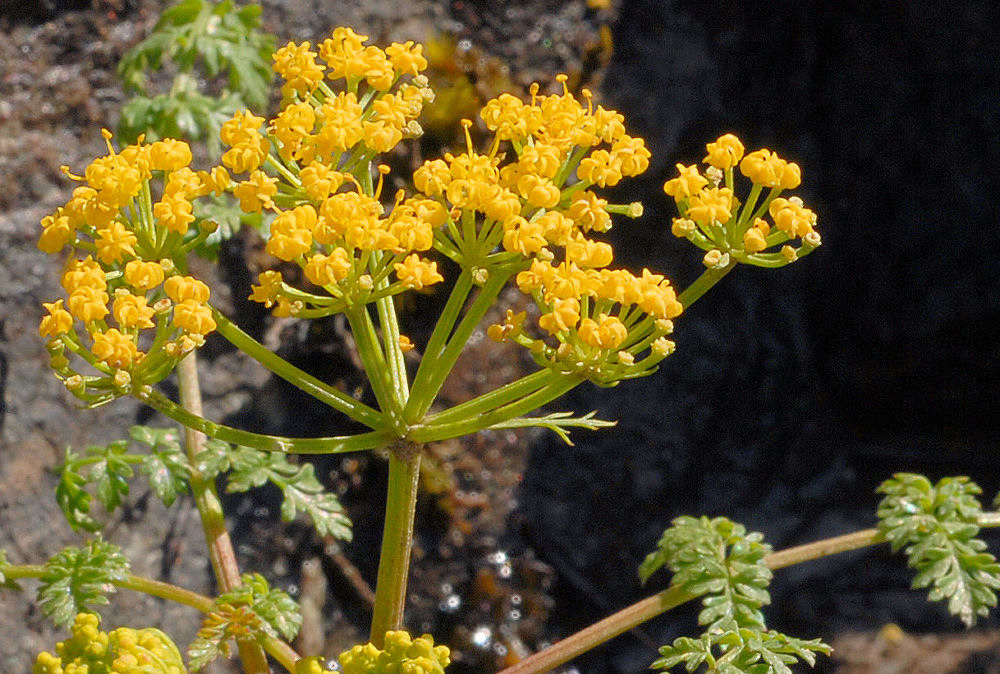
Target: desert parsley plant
<point x="520" y="206"/>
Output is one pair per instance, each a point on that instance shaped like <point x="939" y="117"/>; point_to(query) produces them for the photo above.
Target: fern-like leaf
<point x="276" y="608"/>
<point x="77" y="579"/>
<point x="936" y="526"/>
<point x="302" y="491"/>
<point x="719" y="559"/>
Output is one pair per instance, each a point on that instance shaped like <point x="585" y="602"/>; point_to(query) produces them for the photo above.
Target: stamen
<point x="466" y="124"/>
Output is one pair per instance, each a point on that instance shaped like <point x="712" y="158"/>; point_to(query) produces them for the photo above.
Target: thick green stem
<point x="213" y="522"/>
<point x="267" y="443"/>
<point x="397" y="541"/>
<point x="306" y="382"/>
<point x="646" y="609"/>
<point x="703" y="283"/>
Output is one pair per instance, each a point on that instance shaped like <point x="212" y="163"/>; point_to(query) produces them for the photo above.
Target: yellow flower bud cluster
<point x="138" y="298"/>
<point x="121" y="651"/>
<point x="713" y="218"/>
<point x="329" y="219"/>
<point x="128" y="312"/>
<point x="401" y="653"/>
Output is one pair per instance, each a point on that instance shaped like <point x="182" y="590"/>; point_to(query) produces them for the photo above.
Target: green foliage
<point x="937" y="526"/>
<point x="221" y="626"/>
<point x="275" y="607"/>
<point x="743" y="651"/>
<point x="109" y="470"/>
<point x="718" y="560"/>
<point x="252" y="611"/>
<point x="302" y="491"/>
<point x="202" y="38"/>
<point x="77" y="579"/>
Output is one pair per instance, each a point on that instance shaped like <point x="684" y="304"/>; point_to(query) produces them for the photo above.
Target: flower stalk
<point x="213" y="522"/>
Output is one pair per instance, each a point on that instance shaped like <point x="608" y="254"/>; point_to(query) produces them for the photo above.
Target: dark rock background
<point x="793" y="393"/>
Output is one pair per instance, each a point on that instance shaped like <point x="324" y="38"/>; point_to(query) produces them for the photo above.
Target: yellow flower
<point x="169" y="155"/>
<point x="297" y="65"/>
<point x="688" y="183"/>
<point x="57" y="322"/>
<point x="291" y="233"/>
<point x="320" y="181"/>
<point x="115" y="349"/>
<point x="755" y="238"/>
<point x="174" y="213"/>
<point x="181" y="288"/>
<point x="194" y="317"/>
<point x="565" y="315"/>
<point x="406" y="58"/>
<point x="143" y="275"/>
<point x="85" y="272"/>
<point x="57" y="231"/>
<point x="248" y="147"/>
<point x="711" y="205"/>
<point x="255" y="193"/>
<point x="724" y="153"/>
<point x="791" y="217"/>
<point x="416" y="273"/>
<point x="325" y="270"/>
<point x="269" y="290"/>
<point x="88" y="304"/>
<point x="601" y="168"/>
<point x="768" y="169"/>
<point x="606" y="333"/>
<point x="114" y="242"/>
<point x="131" y="311"/>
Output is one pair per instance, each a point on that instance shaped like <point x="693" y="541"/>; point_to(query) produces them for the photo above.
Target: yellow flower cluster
<point x="538" y="207"/>
<point x="121" y="651"/>
<point x="120" y="281"/>
<point x="329" y="219"/>
<point x="401" y="653"/>
<point x="713" y="219"/>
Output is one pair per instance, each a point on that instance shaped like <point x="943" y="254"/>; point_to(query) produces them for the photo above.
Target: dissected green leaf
<point x="301" y="490"/>
<point x="275" y="607"/>
<point x="77" y="579"/>
<point x="745" y="651"/>
<point x="936" y="526"/>
<point x="718" y="560"/>
<point x="222" y="625"/>
<point x="252" y="611"/>
<point x="73" y="499"/>
<point x="111" y="472"/>
<point x="110" y="468"/>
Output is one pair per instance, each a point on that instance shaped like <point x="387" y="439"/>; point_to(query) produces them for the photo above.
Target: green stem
<point x="703" y="283"/>
<point x="393" y="353"/>
<point x="306" y="382"/>
<point x="278" y="649"/>
<point x="213" y="521"/>
<point x="473" y="424"/>
<point x="435" y="346"/>
<point x="645" y="609"/>
<point x="373" y="358"/>
<point x="438" y="373"/>
<point x="495" y="398"/>
<point x="397" y="541"/>
<point x="267" y="443"/>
